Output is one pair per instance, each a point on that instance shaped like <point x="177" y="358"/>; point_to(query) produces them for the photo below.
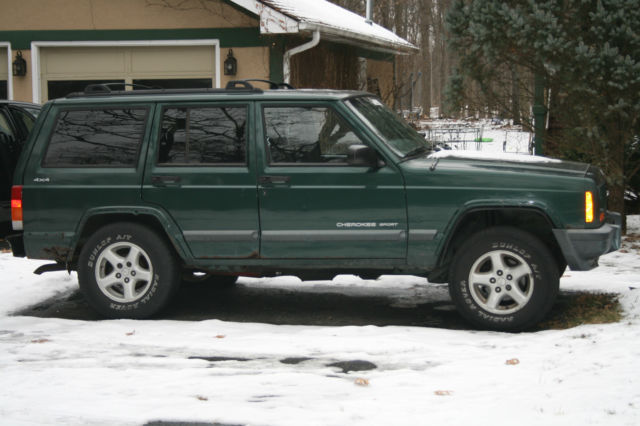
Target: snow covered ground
<point x="69" y="372"/>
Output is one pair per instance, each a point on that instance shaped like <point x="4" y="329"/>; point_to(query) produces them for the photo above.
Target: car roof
<point x="167" y="96"/>
<point x="20" y="104"/>
<point x="235" y="90"/>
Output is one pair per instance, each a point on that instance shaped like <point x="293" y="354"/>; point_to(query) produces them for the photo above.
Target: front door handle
<point x="274" y="180"/>
<point x="163" y="181"/>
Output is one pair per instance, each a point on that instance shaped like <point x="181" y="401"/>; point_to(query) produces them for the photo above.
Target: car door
<point x="313" y="204"/>
<point x="198" y="171"/>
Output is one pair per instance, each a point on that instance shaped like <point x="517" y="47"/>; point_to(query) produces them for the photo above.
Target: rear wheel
<point x="126" y="270"/>
<point x="503" y="279"/>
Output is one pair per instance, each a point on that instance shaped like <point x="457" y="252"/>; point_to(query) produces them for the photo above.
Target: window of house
<point x="307" y="135"/>
<point x="203" y="135"/>
<point x="97" y="137"/>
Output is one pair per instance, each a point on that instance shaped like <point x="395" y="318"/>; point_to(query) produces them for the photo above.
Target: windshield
<point x="392" y="129"/>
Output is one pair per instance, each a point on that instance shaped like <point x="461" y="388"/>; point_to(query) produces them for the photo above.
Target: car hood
<point x="516" y="163"/>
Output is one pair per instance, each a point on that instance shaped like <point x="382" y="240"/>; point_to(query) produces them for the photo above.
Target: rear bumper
<point x="582" y="247"/>
<point x="17" y="244"/>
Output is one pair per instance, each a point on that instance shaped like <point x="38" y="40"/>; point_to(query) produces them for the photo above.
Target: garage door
<point x="68" y="69"/>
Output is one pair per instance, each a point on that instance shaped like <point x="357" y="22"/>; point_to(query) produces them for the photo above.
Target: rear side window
<point x="106" y="137"/>
<point x="203" y="135"/>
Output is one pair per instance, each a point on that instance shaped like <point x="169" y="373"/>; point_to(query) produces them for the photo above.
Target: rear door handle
<point x="163" y="181"/>
<point x="274" y="180"/>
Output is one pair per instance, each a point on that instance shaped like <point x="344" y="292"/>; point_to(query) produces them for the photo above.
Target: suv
<point x="16" y="121"/>
<point x="137" y="190"/>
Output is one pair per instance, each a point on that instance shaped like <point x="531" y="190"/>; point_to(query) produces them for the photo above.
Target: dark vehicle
<point x="16" y="121"/>
<point x="138" y="190"/>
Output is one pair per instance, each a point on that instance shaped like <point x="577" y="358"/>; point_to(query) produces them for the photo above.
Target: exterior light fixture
<point x="19" y="65"/>
<point x="230" y="64"/>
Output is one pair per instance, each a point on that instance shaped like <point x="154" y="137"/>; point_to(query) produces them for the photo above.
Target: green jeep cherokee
<point x="141" y="189"/>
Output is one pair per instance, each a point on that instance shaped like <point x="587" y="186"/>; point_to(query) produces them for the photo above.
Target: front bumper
<point x="582" y="247"/>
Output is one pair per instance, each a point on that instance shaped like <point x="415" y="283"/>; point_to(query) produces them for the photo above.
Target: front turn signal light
<point x="588" y="207"/>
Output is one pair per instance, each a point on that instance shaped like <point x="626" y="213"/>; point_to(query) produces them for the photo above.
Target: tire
<point x="126" y="270"/>
<point x="503" y="279"/>
<point x="191" y="276"/>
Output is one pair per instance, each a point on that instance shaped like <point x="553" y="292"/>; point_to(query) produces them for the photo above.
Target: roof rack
<point x="234" y="86"/>
<point x="106" y="87"/>
<point x="272" y="84"/>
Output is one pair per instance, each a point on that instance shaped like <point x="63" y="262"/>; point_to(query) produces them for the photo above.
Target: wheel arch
<point x="530" y="219"/>
<point x="158" y="221"/>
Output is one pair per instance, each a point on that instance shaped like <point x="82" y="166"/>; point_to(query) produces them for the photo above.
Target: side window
<point x="97" y="137"/>
<point x="203" y="135"/>
<point x="307" y="135"/>
<point x="24" y="120"/>
<point x="5" y="126"/>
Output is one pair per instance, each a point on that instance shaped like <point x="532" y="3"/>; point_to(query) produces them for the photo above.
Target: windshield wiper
<point x="416" y="152"/>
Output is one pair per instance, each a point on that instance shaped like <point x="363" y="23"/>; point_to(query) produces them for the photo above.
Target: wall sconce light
<point x="230" y="64"/>
<point x="19" y="65"/>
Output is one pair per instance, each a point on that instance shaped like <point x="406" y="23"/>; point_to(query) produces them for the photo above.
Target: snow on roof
<point x="334" y="23"/>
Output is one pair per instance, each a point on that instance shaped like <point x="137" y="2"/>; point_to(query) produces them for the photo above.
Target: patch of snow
<point x="125" y="372"/>
<point x="499" y="156"/>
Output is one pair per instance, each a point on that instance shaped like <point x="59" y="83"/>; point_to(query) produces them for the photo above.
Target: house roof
<point x="333" y="22"/>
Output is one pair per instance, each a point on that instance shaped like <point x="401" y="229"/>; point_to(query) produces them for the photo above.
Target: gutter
<point x="356" y="39"/>
<point x="286" y="66"/>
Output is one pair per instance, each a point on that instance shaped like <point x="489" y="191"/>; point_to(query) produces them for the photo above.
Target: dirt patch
<point x="577" y="308"/>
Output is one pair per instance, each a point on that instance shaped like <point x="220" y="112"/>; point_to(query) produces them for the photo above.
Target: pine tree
<point x="588" y="52"/>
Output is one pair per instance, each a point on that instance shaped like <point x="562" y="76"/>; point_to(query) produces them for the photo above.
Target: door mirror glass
<point x="363" y="156"/>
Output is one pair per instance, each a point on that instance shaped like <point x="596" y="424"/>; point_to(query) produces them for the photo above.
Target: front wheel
<point x="126" y="270"/>
<point x="503" y="279"/>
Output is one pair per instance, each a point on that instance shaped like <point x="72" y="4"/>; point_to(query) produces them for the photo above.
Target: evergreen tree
<point x="588" y="53"/>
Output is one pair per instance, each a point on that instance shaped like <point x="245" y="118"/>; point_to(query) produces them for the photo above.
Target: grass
<point x="578" y="308"/>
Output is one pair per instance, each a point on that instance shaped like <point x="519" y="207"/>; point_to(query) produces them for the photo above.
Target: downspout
<point x="286" y="66"/>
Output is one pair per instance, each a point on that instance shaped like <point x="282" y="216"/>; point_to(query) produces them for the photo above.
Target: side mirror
<point x="363" y="156"/>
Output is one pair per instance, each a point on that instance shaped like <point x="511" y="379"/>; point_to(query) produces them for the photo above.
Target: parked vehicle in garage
<point x="135" y="189"/>
<point x="16" y="121"/>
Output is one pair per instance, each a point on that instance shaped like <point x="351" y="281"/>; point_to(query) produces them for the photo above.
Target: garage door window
<point x="98" y="138"/>
<point x="175" y="83"/>
<point x="60" y="89"/>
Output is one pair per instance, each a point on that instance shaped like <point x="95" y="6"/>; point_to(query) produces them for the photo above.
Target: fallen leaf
<point x="202" y="398"/>
<point x="361" y="382"/>
<point x="40" y="341"/>
<point x="131" y="333"/>
<point x="443" y="392"/>
<point x="513" y="361"/>
<point x="220" y="336"/>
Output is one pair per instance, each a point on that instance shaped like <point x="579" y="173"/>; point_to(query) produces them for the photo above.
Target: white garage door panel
<point x="88" y="62"/>
<point x="183" y="59"/>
